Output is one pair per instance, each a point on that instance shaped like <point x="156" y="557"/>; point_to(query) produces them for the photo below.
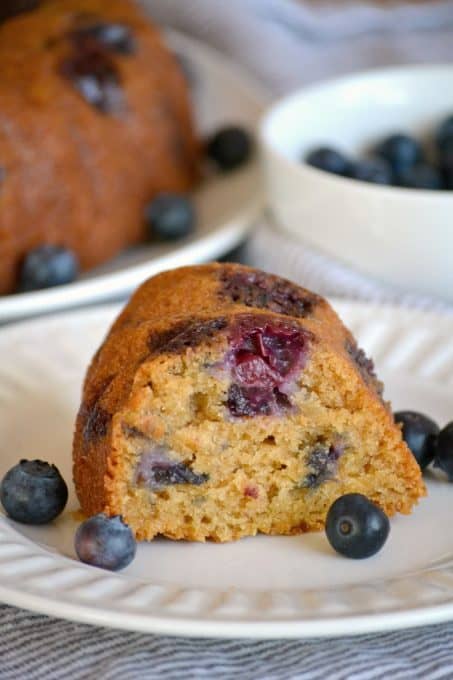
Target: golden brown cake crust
<point x="72" y="174"/>
<point x="167" y="319"/>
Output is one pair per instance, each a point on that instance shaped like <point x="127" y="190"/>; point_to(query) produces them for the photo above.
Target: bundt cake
<point x="94" y="121"/>
<point x="226" y="401"/>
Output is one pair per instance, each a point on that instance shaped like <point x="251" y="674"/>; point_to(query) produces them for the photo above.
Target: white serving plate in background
<point x="227" y="205"/>
<point x="401" y="236"/>
<point x="262" y="587"/>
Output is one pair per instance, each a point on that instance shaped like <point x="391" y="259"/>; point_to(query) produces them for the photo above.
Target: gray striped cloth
<point x="35" y="647"/>
<point x="306" y="42"/>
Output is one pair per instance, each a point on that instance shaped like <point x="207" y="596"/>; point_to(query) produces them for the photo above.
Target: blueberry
<point x="356" y="527"/>
<point x="375" y="170"/>
<point x="33" y="492"/>
<point x="401" y="151"/>
<point x="229" y="147"/>
<point x="444" y="132"/>
<point x="444" y="451"/>
<point x="329" y="160"/>
<point x="421" y="176"/>
<point x="170" y="216"/>
<point x="448" y="178"/>
<point x="48" y="266"/>
<point x="446" y="162"/>
<point x="105" y="542"/>
<point x="420" y="434"/>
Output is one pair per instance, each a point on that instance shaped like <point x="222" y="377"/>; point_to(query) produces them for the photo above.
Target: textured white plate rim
<point x="196" y="250"/>
<point x="16" y="591"/>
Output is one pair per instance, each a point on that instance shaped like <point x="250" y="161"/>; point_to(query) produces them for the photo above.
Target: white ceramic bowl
<point x="401" y="236"/>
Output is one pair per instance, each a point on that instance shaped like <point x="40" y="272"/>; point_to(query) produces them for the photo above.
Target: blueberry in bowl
<point x="329" y="159"/>
<point x="401" y="150"/>
<point x="373" y="170"/>
<point x="444" y="133"/>
<point x="420" y="176"/>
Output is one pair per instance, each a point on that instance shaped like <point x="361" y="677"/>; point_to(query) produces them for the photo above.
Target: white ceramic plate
<point x="257" y="587"/>
<point x="226" y="205"/>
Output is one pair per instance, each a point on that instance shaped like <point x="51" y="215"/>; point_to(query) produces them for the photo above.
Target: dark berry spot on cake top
<point x="115" y="37"/>
<point x="263" y="360"/>
<point x="365" y="366"/>
<point x="93" y="73"/>
<point x="157" y="469"/>
<point x="265" y="291"/>
<point x="322" y="463"/>
<point x="185" y="334"/>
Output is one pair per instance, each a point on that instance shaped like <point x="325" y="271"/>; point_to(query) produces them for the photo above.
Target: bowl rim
<point x="349" y="183"/>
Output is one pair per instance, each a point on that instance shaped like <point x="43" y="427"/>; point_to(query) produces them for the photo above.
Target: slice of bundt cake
<point x="95" y="120"/>
<point x="226" y="402"/>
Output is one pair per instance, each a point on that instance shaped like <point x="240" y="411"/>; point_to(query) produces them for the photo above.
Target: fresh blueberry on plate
<point x="373" y="170"/>
<point x="401" y="151"/>
<point x="421" y="176"/>
<point x="229" y="147"/>
<point x="105" y="542"/>
<point x="48" y="266"/>
<point x="356" y="527"/>
<point x="170" y="216"/>
<point x="444" y="451"/>
<point x="33" y="492"/>
<point x="420" y="434"/>
<point x="328" y="159"/>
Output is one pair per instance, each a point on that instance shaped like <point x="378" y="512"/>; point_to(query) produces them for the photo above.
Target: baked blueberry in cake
<point x="225" y="402"/>
<point x="95" y="122"/>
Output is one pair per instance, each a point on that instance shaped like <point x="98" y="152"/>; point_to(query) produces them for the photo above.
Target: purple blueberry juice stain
<point x="188" y="333"/>
<point x="156" y="470"/>
<point x="264" y="357"/>
<point x="265" y="291"/>
<point x="322" y="462"/>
